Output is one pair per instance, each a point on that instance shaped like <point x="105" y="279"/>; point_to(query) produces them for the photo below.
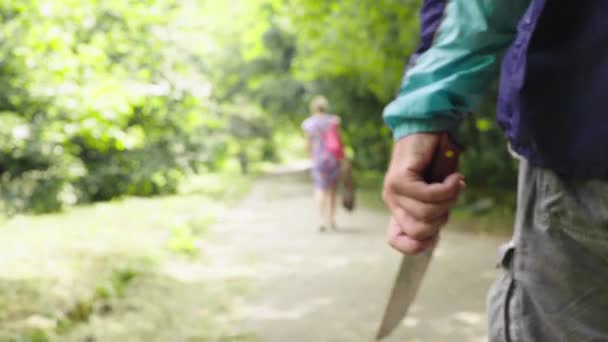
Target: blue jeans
<point x="554" y="284"/>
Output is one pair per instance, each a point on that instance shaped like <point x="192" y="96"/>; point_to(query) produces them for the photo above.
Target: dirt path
<point x="314" y="287"/>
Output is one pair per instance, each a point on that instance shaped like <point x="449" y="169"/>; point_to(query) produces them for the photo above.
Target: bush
<point x="118" y="108"/>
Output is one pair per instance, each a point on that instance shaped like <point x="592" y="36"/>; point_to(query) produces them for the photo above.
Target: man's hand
<point x="418" y="209"/>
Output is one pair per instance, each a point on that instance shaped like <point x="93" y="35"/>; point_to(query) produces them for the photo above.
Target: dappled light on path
<point x="296" y="312"/>
<point x="314" y="287"/>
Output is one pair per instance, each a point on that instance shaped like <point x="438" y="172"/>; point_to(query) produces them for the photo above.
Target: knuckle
<point x="386" y="195"/>
<point x="388" y="177"/>
<point x="395" y="182"/>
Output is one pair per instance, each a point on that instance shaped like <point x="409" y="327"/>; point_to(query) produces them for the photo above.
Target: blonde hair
<point x="319" y="104"/>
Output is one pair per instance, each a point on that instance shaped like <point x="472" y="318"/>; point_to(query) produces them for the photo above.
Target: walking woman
<point x="326" y="152"/>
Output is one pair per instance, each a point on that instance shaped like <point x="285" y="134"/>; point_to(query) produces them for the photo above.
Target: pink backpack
<point x="333" y="144"/>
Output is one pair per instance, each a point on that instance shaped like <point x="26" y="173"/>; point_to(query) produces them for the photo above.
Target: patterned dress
<point x="325" y="167"/>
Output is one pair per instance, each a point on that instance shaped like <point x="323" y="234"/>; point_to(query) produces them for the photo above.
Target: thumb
<point x="454" y="183"/>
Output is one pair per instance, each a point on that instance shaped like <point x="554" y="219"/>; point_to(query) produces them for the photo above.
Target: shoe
<point x="322" y="229"/>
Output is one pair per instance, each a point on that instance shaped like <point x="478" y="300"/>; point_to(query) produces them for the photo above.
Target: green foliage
<point x="293" y="50"/>
<point x="37" y="336"/>
<point x="116" y="284"/>
<point x="487" y="162"/>
<point x="184" y="238"/>
<point x="99" y="99"/>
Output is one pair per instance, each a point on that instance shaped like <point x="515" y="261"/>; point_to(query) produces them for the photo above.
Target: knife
<point x="413" y="267"/>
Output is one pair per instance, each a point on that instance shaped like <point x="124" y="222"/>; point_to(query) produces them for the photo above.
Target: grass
<point x="114" y="271"/>
<point x="225" y="187"/>
<point x="483" y="211"/>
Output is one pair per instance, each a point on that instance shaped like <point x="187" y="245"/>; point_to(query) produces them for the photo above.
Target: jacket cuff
<point x="436" y="124"/>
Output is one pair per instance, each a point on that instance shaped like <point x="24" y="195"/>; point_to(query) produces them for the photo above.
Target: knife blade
<point x="409" y="278"/>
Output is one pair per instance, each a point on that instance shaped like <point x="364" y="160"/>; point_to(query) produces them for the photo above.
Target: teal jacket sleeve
<point x="447" y="80"/>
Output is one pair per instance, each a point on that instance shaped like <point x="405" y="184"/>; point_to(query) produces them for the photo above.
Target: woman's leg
<point x="321" y="200"/>
<point x="333" y="192"/>
<point x="333" y="198"/>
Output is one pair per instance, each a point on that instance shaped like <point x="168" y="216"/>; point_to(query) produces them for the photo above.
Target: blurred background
<point x="153" y="182"/>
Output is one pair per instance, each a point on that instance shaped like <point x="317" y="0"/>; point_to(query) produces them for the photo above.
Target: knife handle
<point x="445" y="160"/>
